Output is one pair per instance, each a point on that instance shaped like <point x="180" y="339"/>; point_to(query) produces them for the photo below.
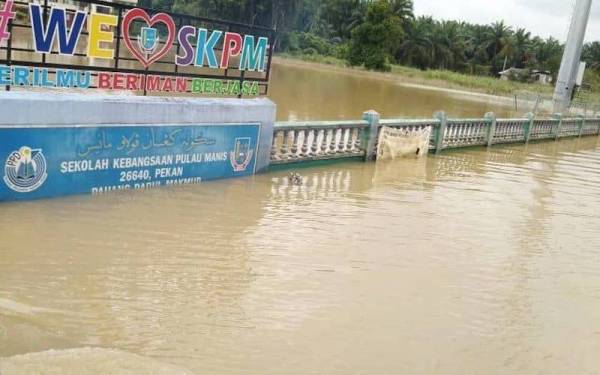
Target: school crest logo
<point x="241" y="156"/>
<point x="25" y="170"/>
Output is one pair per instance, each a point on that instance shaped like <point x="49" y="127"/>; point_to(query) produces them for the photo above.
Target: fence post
<point x="556" y="129"/>
<point x="581" y="125"/>
<point x="369" y="134"/>
<point x="491" y="117"/>
<point x="529" y="126"/>
<point x="440" y="131"/>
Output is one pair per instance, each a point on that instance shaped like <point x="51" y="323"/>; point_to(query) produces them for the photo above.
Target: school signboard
<point x="41" y="162"/>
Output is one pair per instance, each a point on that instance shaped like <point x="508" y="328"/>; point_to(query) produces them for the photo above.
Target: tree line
<point x="378" y="33"/>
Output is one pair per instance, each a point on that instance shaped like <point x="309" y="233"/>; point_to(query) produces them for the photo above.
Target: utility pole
<point x="565" y="82"/>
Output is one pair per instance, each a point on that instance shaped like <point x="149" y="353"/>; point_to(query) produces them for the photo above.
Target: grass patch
<point x="315" y="58"/>
<point x="440" y="78"/>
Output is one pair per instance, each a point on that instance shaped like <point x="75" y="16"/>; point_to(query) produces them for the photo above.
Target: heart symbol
<point x="157" y="18"/>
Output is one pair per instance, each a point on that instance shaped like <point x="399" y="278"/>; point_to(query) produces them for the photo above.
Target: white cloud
<point x="542" y="17"/>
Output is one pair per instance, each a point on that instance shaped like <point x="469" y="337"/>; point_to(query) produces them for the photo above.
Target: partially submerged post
<point x="369" y="135"/>
<point x="491" y="118"/>
<point x="440" y="131"/>
<point x="529" y="126"/>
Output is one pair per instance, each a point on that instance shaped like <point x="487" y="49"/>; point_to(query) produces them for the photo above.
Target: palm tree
<point x="494" y="37"/>
<point x="522" y="47"/>
<point x="508" y="50"/>
<point x="449" y="45"/>
<point x="497" y="33"/>
<point x="417" y="48"/>
<point x="403" y="9"/>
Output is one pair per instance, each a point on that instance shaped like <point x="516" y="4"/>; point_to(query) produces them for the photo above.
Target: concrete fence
<point x="295" y="142"/>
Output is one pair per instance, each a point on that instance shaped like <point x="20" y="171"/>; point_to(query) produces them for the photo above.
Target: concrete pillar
<point x="440" y="131"/>
<point x="491" y="118"/>
<point x="370" y="134"/>
<point x="529" y="126"/>
<point x="569" y="66"/>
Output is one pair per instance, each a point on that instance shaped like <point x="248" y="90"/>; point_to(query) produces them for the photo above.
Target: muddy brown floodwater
<point x="317" y="92"/>
<point x="470" y="262"/>
<point x="477" y="261"/>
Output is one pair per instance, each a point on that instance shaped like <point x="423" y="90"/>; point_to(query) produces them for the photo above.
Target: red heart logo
<point x="157" y="18"/>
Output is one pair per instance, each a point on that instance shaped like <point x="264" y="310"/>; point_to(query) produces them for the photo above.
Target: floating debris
<point x="295" y="179"/>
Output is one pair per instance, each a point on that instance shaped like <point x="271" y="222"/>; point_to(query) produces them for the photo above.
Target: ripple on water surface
<point x="476" y="261"/>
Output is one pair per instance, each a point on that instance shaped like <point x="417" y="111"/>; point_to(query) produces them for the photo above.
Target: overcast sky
<point x="542" y="17"/>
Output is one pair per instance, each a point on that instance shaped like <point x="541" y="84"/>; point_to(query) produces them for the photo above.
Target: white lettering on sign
<point x="84" y="166"/>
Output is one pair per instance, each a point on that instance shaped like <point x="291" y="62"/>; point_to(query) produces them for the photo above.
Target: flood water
<point x="470" y="262"/>
<point x="319" y="92"/>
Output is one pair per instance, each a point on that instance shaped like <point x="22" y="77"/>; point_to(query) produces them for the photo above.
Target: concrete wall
<point x="68" y="109"/>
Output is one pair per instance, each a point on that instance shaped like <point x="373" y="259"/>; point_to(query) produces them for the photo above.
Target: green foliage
<point x="373" y="41"/>
<point x="297" y="43"/>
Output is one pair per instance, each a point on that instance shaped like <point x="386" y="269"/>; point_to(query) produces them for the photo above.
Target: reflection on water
<point x="469" y="262"/>
<point x="321" y="93"/>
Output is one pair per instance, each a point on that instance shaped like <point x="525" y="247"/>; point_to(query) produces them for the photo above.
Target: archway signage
<point x="111" y="46"/>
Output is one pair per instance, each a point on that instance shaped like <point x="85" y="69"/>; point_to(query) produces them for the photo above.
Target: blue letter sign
<point x="40" y="162"/>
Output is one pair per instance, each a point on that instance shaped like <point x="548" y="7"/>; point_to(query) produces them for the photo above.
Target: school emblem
<point x="241" y="156"/>
<point x="25" y="170"/>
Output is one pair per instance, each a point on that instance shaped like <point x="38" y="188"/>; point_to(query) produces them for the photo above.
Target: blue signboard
<point x="41" y="162"/>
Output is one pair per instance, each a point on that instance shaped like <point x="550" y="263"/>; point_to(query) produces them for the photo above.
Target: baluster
<point x="306" y="133"/>
<point x="519" y="131"/>
<point x="457" y="128"/>
<point x="285" y="144"/>
<point x="274" y="149"/>
<point x="351" y="140"/>
<point x="348" y="141"/>
<point x="357" y="140"/>
<point x="455" y="134"/>
<point x="446" y="136"/>
<point x="470" y="131"/>
<point x="314" y="148"/>
<point x="324" y="143"/>
<point x="294" y="148"/>
<point x="333" y="142"/>
<point x="340" y="142"/>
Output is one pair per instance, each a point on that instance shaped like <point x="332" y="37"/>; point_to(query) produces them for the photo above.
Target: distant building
<point x="525" y="75"/>
<point x="541" y="76"/>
